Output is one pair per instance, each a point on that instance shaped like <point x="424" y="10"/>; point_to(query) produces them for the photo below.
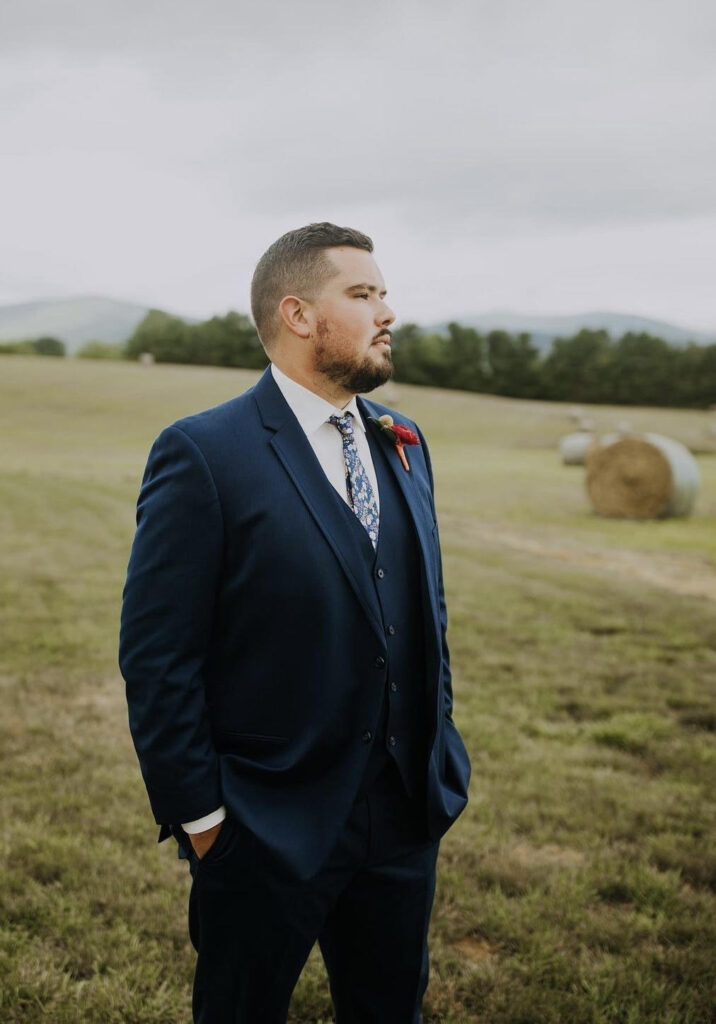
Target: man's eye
<point x="362" y="295"/>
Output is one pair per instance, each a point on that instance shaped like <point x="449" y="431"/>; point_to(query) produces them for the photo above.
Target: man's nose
<point x="384" y="316"/>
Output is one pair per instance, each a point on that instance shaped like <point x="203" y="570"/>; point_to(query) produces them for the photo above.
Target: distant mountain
<point x="74" y="321"/>
<point x="545" y="328"/>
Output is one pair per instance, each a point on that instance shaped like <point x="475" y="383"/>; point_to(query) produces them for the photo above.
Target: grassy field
<point x="580" y="885"/>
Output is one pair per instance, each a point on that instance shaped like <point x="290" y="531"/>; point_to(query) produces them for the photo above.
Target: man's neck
<point x="317" y="383"/>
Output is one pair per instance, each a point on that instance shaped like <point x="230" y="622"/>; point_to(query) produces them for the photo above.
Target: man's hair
<point x="296" y="264"/>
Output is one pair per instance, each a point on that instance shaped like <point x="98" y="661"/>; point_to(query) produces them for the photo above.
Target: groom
<point x="283" y="646"/>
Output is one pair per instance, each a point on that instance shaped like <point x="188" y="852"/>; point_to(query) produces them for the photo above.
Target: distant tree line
<point x="589" y="367"/>
<point x="636" y="369"/>
<point x="44" y="346"/>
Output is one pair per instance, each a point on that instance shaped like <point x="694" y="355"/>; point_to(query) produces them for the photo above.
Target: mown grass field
<point x="580" y="885"/>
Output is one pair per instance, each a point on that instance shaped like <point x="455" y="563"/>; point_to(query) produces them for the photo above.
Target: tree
<point x="465" y="359"/>
<point x="230" y="340"/>
<point x="47" y="346"/>
<point x="643" y="371"/>
<point x="167" y="337"/>
<point x="693" y="381"/>
<point x="578" y="369"/>
<point x="418" y="358"/>
<point x="513" y="365"/>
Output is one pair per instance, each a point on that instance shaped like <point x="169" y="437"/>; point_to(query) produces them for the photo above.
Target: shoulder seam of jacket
<point x="184" y="433"/>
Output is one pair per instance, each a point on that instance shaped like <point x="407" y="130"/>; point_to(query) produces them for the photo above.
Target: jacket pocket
<point x="229" y="742"/>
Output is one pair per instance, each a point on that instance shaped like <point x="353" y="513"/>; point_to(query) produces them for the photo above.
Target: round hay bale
<point x="647" y="477"/>
<point x="573" y="448"/>
<point x="685" y="473"/>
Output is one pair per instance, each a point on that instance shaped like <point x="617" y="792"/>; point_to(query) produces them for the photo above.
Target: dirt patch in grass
<point x="475" y="949"/>
<point x="547" y="856"/>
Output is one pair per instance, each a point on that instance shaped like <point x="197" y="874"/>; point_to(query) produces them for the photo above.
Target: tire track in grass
<point x="690" y="577"/>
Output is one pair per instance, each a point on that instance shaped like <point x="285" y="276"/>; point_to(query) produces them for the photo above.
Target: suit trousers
<point x="368" y="907"/>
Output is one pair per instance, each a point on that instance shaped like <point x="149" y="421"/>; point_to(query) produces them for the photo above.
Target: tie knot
<point x="344" y="423"/>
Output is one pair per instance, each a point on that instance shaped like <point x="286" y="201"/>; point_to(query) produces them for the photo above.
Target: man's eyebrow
<point x="365" y="288"/>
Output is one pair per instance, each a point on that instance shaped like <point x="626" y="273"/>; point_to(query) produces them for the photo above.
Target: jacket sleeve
<point x="445" y="653"/>
<point x="165" y="633"/>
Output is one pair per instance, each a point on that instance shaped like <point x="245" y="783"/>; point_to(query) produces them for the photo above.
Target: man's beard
<point x="350" y="374"/>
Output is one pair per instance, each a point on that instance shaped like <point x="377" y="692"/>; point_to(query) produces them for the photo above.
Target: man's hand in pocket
<point x="202" y="842"/>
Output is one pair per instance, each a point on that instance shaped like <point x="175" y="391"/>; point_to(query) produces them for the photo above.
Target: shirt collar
<point x="310" y="409"/>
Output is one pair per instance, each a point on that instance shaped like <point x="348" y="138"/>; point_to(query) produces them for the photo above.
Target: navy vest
<point x="401" y="730"/>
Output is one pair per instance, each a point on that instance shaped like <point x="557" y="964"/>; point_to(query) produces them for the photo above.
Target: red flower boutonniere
<point x="398" y="434"/>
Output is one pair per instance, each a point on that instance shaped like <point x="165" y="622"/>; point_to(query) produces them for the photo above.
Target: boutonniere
<point x="398" y="434"/>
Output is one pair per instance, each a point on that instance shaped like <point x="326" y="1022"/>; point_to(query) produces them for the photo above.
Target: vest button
<point x="392" y="740"/>
<point x="380" y="661"/>
<point x="391" y="630"/>
<point x="380" y="573"/>
<point x="394" y="687"/>
<point x="367" y="736"/>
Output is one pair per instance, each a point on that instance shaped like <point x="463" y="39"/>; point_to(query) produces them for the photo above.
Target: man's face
<point x="352" y="339"/>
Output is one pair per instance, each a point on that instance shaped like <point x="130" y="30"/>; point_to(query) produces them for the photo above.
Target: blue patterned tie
<point x="360" y="492"/>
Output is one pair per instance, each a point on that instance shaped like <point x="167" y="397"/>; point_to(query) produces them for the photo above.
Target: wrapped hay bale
<point x="573" y="447"/>
<point x="647" y="477"/>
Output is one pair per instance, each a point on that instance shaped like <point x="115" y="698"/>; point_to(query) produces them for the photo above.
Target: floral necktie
<point x="360" y="492"/>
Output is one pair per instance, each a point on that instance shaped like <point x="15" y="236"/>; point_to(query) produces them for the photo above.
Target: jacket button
<point x="394" y="687"/>
<point x="392" y="740"/>
<point x="367" y="736"/>
<point x="380" y="661"/>
<point x="391" y="630"/>
<point x="380" y="573"/>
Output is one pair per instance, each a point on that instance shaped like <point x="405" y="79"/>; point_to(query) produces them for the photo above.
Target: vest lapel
<point x="417" y="504"/>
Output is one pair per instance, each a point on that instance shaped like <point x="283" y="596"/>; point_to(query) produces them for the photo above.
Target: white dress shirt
<point x="312" y="413"/>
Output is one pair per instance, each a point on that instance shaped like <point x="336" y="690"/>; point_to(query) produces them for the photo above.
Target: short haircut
<point x="296" y="264"/>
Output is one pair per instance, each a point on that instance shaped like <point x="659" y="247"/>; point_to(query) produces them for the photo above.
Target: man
<point x="283" y="645"/>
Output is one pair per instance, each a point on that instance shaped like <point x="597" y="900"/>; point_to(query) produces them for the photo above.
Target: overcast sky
<point x="555" y="156"/>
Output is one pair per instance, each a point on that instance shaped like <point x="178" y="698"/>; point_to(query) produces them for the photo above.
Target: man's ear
<point x="295" y="315"/>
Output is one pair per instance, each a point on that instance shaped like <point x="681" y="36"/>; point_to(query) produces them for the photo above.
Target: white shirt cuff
<point x="208" y="821"/>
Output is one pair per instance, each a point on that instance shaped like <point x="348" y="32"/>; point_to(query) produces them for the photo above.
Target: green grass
<point x="580" y="885"/>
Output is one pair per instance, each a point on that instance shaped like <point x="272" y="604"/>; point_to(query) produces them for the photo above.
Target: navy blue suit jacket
<point x="251" y="639"/>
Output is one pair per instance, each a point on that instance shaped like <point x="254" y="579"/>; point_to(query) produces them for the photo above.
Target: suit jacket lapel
<point x="299" y="461"/>
<point x="417" y="504"/>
